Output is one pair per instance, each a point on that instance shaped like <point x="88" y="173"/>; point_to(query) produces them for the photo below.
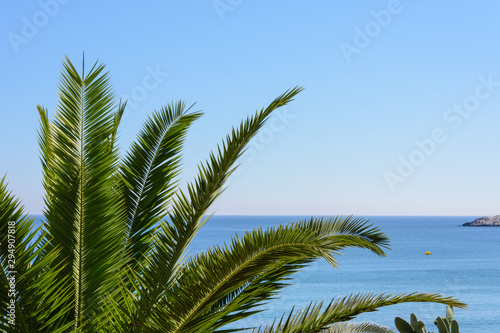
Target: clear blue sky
<point x="400" y="115"/>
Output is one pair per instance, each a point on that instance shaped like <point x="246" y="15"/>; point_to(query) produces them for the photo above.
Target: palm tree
<point x="110" y="255"/>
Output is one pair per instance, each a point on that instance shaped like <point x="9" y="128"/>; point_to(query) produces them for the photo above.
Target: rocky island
<point x="486" y="221"/>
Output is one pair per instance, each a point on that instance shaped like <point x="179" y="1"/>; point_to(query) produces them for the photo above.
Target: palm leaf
<point x="84" y="213"/>
<point x="350" y="327"/>
<point x="345" y="327"/>
<point x="316" y="317"/>
<point x="39" y="294"/>
<point x="255" y="267"/>
<point x="149" y="173"/>
<point x="188" y="210"/>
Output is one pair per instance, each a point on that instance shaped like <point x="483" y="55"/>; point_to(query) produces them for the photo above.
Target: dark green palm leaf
<point x="316" y="317"/>
<point x="349" y="327"/>
<point x="150" y="171"/>
<point x="40" y="295"/>
<point x="186" y="216"/>
<point x="85" y="215"/>
<point x="259" y="262"/>
<point x="345" y="327"/>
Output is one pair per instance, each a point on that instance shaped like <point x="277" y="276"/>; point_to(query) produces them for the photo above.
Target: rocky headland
<point x="486" y="221"/>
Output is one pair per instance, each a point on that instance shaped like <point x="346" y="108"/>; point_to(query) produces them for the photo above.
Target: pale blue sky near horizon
<point x="399" y="116"/>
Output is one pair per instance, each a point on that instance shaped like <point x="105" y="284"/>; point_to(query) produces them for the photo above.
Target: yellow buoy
<point x="428" y="253"/>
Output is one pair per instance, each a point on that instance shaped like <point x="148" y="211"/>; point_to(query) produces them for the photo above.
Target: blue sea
<point x="464" y="263"/>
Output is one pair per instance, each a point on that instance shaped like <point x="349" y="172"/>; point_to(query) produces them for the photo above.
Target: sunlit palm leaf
<point x="316" y="317"/>
<point x="188" y="210"/>
<point x="85" y="215"/>
<point x="258" y="262"/>
<point x="357" y="328"/>
<point x="346" y="327"/>
<point x="150" y="171"/>
<point x="38" y="293"/>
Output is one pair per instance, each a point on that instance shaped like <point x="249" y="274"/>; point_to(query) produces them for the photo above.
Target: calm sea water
<point x="465" y="263"/>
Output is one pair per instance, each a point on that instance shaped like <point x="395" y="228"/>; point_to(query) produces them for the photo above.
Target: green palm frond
<point x="349" y="327"/>
<point x="337" y="233"/>
<point x="345" y="327"/>
<point x="149" y="173"/>
<point x="316" y="317"/>
<point x="39" y="294"/>
<point x="186" y="216"/>
<point x="85" y="215"/>
<point x="258" y="262"/>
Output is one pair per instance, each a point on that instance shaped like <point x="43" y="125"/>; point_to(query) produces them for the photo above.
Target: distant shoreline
<point x="485" y="221"/>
